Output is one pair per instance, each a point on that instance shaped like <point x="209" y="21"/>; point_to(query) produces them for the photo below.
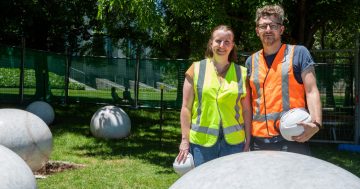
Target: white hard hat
<point x="288" y="122"/>
<point x="183" y="167"/>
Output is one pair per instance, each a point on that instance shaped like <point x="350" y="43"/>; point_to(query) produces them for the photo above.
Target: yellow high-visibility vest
<point x="217" y="105"/>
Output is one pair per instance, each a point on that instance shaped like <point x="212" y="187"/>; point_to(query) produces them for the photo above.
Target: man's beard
<point x="269" y="39"/>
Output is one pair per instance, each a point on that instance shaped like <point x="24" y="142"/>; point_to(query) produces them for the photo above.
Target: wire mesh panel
<point x="9" y="73"/>
<point x="44" y="76"/>
<point x="113" y="80"/>
<point x="56" y="64"/>
<point x="336" y="82"/>
<point x="97" y="75"/>
<point x="156" y="74"/>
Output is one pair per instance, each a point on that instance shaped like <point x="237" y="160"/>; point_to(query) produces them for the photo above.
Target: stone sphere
<point x="43" y="110"/>
<point x="27" y="135"/>
<point x="270" y="170"/>
<point x="110" y="122"/>
<point x="14" y="172"/>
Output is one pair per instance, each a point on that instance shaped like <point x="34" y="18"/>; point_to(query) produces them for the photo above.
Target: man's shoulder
<point x="248" y="61"/>
<point x="301" y="49"/>
<point x="251" y="55"/>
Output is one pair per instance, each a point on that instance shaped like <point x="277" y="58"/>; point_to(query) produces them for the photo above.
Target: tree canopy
<point x="46" y="24"/>
<point x="171" y="28"/>
<point x="181" y="28"/>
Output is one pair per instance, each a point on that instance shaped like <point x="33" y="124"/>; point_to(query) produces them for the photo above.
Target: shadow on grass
<point x="143" y="143"/>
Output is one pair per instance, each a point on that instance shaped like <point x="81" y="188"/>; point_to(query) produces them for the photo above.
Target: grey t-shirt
<point x="302" y="60"/>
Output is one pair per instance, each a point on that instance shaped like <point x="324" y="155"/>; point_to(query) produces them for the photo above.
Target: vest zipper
<point x="266" y="121"/>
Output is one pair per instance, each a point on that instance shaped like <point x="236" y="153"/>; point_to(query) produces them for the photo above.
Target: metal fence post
<point x="67" y="73"/>
<point x="181" y="78"/>
<point x="22" y="67"/>
<point x="357" y="90"/>
<point x="137" y="77"/>
<point x="161" y="110"/>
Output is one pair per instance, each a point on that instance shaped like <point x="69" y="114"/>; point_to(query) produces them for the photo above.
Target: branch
<point x="309" y="39"/>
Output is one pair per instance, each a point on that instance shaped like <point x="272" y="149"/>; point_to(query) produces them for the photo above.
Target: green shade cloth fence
<point x="113" y="81"/>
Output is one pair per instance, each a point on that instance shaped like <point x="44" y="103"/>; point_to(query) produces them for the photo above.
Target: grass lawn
<point x="345" y="159"/>
<point x="138" y="161"/>
<point x="89" y="95"/>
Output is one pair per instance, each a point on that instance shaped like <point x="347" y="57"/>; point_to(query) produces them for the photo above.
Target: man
<point x="281" y="77"/>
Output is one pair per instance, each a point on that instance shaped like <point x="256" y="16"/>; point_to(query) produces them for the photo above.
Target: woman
<point x="216" y="111"/>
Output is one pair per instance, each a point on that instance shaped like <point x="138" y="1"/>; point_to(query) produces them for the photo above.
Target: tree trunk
<point x="348" y="101"/>
<point x="181" y="78"/>
<point x="301" y="9"/>
<point x="42" y="78"/>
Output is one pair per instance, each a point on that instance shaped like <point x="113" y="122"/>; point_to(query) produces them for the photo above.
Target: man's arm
<point x="314" y="105"/>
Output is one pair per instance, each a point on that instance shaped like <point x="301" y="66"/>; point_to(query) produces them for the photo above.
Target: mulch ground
<point x="52" y="167"/>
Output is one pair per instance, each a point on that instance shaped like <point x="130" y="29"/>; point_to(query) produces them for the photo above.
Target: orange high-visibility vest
<point x="274" y="91"/>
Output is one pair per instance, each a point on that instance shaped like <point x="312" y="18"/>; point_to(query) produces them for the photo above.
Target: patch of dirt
<point x="52" y="167"/>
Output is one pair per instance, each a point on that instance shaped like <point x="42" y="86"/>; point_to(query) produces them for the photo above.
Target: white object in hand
<point x="289" y="122"/>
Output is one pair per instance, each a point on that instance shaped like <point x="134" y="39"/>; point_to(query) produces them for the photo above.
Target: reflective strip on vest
<point x="285" y="79"/>
<point x="233" y="128"/>
<point x="270" y="116"/>
<point x="205" y="130"/>
<point x="215" y="132"/>
<point x="199" y="86"/>
<point x="240" y="87"/>
<point x="257" y="84"/>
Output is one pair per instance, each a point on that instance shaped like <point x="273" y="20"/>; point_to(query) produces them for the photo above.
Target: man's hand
<point x="310" y="129"/>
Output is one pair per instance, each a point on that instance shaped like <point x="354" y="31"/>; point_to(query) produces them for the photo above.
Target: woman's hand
<point x="183" y="150"/>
